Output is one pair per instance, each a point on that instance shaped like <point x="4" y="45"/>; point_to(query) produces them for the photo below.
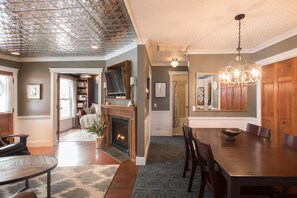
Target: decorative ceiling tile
<point x="64" y="27"/>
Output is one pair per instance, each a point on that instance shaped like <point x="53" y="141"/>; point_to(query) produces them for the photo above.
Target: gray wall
<point x="161" y="74"/>
<point x="212" y="64"/>
<point x="38" y="73"/>
<point x="283" y="46"/>
<point x="143" y="64"/>
<point x="8" y="63"/>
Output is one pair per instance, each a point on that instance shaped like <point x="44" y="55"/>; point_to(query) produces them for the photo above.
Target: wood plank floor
<point x="85" y="153"/>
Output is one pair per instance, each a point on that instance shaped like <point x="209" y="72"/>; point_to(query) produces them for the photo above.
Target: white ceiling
<point x="208" y="26"/>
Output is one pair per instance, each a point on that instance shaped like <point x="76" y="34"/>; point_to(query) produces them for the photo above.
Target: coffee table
<point x="19" y="168"/>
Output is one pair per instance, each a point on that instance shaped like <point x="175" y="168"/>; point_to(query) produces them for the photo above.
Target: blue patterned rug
<point x="162" y="176"/>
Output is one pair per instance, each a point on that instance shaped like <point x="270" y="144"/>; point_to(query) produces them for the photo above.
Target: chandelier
<point x="239" y="72"/>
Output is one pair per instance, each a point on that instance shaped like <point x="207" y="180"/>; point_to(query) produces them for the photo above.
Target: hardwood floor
<point x="85" y="153"/>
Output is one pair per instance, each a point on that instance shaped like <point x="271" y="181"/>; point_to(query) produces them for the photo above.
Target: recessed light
<point x="94" y="47"/>
<point x="15" y="53"/>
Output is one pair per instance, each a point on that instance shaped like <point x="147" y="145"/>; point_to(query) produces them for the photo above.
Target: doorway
<point x="178" y="101"/>
<point x="54" y="114"/>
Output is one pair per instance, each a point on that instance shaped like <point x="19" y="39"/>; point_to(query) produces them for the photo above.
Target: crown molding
<point x="130" y="12"/>
<point x="62" y="58"/>
<point x="121" y="51"/>
<point x="275" y="40"/>
<point x="141" y="41"/>
<point x="216" y="51"/>
<point x="9" y="57"/>
<point x="279" y="57"/>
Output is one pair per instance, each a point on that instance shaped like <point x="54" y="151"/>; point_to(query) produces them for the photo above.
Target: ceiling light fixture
<point x="239" y="72"/>
<point x="85" y="76"/>
<point x="174" y="62"/>
<point x="15" y="53"/>
<point x="94" y="47"/>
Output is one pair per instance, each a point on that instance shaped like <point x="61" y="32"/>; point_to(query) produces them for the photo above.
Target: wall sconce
<point x="132" y="83"/>
<point x="97" y="79"/>
<point x="174" y="62"/>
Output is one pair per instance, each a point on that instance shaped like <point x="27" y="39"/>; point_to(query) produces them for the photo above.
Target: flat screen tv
<point x="115" y="82"/>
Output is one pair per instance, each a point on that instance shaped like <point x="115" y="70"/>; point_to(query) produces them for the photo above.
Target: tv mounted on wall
<point x="115" y="82"/>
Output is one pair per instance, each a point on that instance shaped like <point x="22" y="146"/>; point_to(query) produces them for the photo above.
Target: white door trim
<point x="171" y="74"/>
<point x="53" y="100"/>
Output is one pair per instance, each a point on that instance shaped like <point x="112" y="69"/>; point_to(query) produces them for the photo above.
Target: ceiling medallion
<point x="239" y="72"/>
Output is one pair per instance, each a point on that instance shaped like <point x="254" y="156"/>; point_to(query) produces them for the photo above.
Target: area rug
<point x="72" y="181"/>
<point x="77" y="135"/>
<point x="162" y="176"/>
<point x="116" y="154"/>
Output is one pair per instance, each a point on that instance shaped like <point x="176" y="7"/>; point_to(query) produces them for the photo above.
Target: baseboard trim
<point x="141" y="161"/>
<point x="39" y="143"/>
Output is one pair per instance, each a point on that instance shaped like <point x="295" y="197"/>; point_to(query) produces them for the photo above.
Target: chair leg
<point x="193" y="170"/>
<point x="202" y="187"/>
<point x="186" y="167"/>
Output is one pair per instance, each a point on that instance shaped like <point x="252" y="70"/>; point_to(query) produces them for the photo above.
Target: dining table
<point x="250" y="160"/>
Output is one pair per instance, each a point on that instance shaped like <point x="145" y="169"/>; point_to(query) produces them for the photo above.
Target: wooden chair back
<point x="290" y="141"/>
<point x="252" y="128"/>
<point x="188" y="135"/>
<point x="207" y="168"/>
<point x="265" y="133"/>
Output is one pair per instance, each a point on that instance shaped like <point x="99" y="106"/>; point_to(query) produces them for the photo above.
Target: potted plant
<point x="98" y="128"/>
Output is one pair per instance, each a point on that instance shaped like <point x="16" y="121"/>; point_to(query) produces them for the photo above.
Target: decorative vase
<point x="99" y="142"/>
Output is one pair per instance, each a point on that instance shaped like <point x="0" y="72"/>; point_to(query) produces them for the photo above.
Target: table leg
<point x="49" y="184"/>
<point x="27" y="184"/>
<point x="233" y="188"/>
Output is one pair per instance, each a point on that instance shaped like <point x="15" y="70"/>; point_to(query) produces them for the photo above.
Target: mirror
<point x="213" y="96"/>
<point x="207" y="92"/>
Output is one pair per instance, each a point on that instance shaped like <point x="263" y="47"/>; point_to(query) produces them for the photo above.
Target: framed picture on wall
<point x="160" y="90"/>
<point x="33" y="91"/>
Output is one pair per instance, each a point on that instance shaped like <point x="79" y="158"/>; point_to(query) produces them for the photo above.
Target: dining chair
<point x="252" y="128"/>
<point x="214" y="180"/>
<point x="264" y="133"/>
<point x="290" y="141"/>
<point x="190" y="155"/>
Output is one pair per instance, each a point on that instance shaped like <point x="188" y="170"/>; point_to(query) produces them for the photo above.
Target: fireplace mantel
<point x="125" y="112"/>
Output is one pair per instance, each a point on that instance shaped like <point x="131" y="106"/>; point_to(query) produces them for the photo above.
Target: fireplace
<point x="120" y="133"/>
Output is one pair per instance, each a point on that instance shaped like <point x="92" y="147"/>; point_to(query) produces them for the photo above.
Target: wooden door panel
<point x="267" y="100"/>
<point x="237" y="98"/>
<point x="230" y="99"/>
<point x="223" y="98"/>
<point x="285" y="101"/>
<point x="244" y="97"/>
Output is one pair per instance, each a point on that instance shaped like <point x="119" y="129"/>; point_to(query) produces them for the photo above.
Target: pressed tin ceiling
<point x="36" y="28"/>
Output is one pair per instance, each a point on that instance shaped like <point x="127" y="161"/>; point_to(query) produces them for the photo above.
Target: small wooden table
<point x="250" y="160"/>
<point x="19" y="168"/>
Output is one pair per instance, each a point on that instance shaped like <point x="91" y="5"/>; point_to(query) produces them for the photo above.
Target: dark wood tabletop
<point x="19" y="168"/>
<point x="250" y="160"/>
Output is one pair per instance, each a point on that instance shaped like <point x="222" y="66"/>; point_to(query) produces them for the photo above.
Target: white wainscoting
<point x="66" y="124"/>
<point x="160" y="123"/>
<point x="221" y="122"/>
<point x="147" y="139"/>
<point x="39" y="129"/>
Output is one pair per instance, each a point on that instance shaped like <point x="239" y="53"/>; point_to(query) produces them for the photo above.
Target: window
<point x="66" y="98"/>
<point x="5" y="93"/>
